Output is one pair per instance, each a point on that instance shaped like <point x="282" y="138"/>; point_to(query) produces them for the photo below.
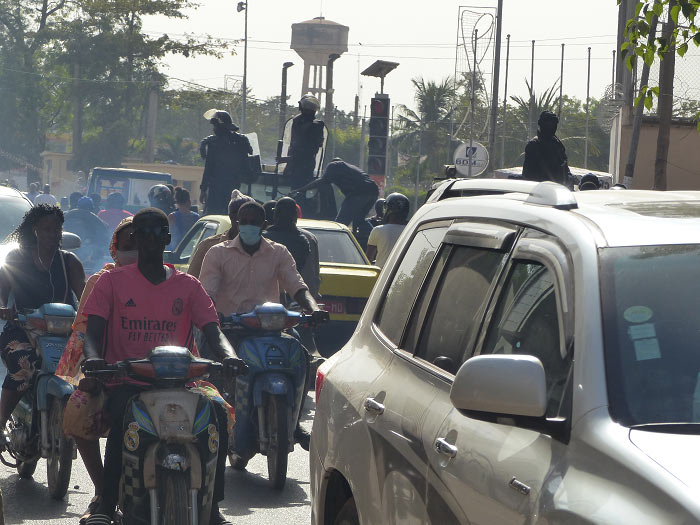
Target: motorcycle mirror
<point x="70" y="241"/>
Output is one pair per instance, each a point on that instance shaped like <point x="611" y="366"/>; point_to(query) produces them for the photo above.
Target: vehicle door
<point x="498" y="468"/>
<point x="444" y="320"/>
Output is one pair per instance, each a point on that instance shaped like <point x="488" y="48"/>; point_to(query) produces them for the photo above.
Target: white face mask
<point x="124" y="258"/>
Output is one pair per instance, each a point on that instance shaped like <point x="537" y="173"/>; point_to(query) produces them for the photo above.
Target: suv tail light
<point x="320" y="378"/>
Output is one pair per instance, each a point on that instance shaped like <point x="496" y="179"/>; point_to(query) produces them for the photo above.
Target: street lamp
<point x="283" y="97"/>
<point x="243" y="6"/>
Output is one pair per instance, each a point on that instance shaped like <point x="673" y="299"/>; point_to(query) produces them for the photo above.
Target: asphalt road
<point x="249" y="500"/>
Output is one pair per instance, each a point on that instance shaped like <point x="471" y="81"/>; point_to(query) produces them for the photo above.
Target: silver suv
<point x="531" y="357"/>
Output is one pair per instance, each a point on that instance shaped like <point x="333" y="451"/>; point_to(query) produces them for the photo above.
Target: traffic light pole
<point x="496" y="80"/>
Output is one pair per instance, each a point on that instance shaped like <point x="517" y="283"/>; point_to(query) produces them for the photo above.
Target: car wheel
<point x="348" y="514"/>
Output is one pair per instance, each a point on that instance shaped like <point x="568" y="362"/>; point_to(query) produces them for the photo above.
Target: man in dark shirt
<point x="545" y="155"/>
<point x="360" y="193"/>
<point x="306" y="140"/>
<point x="225" y="155"/>
<point x="284" y="231"/>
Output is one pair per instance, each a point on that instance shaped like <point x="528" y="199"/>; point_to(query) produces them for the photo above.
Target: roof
<point x="320" y="225"/>
<point x="6" y="191"/>
<point x="610" y="217"/>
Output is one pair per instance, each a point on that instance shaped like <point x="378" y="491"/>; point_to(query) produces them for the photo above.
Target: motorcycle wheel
<point x="26" y="469"/>
<point x="174" y="496"/>
<point x="278" y="432"/>
<point x="60" y="459"/>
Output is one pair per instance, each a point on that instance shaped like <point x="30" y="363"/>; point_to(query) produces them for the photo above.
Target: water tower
<point x="314" y="41"/>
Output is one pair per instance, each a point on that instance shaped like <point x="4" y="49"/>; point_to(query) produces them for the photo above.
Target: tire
<point x="59" y="462"/>
<point x="278" y="432"/>
<point x="26" y="469"/>
<point x="174" y="497"/>
<point x="348" y="514"/>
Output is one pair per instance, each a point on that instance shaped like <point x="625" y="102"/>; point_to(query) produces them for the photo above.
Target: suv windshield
<point x="651" y="324"/>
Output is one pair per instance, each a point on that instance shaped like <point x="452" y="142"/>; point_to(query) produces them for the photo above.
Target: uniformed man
<point x="545" y="155"/>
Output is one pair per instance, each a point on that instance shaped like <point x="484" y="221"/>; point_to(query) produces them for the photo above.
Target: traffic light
<point x="378" y="135"/>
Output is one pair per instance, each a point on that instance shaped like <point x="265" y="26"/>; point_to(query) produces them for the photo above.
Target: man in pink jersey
<point x="135" y="308"/>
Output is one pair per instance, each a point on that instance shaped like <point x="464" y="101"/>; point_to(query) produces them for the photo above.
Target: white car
<point x="531" y="357"/>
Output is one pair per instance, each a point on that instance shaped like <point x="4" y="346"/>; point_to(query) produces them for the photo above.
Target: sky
<point x="420" y="35"/>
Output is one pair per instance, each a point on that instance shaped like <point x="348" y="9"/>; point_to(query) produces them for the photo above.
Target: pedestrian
<point x="225" y="155"/>
<point x="589" y="182"/>
<point x="114" y="212"/>
<point x="270" y="211"/>
<point x="93" y="232"/>
<point x="360" y="193"/>
<point x="545" y="155"/>
<point x="183" y="218"/>
<point x="378" y="217"/>
<point x="160" y="196"/>
<point x="73" y="199"/>
<point x="33" y="191"/>
<point x="45" y="197"/>
<point x="383" y="238"/>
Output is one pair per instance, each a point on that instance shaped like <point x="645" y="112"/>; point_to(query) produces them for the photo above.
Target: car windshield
<point x="336" y="246"/>
<point x="651" y="324"/>
<point x="13" y="209"/>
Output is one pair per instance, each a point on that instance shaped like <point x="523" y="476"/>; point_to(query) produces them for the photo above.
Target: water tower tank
<point x="315" y="39"/>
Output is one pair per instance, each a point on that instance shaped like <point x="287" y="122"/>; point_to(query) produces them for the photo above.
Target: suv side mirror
<point x="513" y="385"/>
<point x="70" y="241"/>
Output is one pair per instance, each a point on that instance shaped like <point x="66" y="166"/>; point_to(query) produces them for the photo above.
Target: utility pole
<point x="664" y="109"/>
<point x="638" y="113"/>
<point x="588" y="99"/>
<point x="532" y="92"/>
<point x="283" y="98"/>
<point x="471" y="116"/>
<point x="243" y="6"/>
<point x="561" y="82"/>
<point x="505" y="106"/>
<point x="496" y="80"/>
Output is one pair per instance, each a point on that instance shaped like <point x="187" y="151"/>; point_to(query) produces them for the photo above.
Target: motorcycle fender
<point x="58" y="388"/>
<point x="275" y="384"/>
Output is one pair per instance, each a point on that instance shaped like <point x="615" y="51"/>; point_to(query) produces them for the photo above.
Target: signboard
<point x="476" y="155"/>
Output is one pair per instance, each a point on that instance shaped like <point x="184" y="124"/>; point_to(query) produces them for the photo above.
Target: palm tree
<point x="427" y="127"/>
<point x="527" y="111"/>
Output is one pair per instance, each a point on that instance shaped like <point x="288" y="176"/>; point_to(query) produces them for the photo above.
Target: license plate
<point x="334" y="307"/>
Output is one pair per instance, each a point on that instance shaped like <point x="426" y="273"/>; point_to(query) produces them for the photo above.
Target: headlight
<point x="273" y="322"/>
<point x="58" y="325"/>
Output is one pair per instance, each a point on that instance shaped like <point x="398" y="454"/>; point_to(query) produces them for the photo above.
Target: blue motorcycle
<point x="268" y="399"/>
<point x="35" y="428"/>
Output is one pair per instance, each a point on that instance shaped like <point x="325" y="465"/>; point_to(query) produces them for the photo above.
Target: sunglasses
<point x="158" y="231"/>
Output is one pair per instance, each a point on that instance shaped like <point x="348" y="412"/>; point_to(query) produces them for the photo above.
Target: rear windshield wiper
<point x="669" y="428"/>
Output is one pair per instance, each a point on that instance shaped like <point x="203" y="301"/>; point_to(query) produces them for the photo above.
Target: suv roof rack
<point x="553" y="195"/>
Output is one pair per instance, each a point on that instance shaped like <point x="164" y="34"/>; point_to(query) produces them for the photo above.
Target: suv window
<point x="526" y="322"/>
<point x="455" y="310"/>
<point x="407" y="281"/>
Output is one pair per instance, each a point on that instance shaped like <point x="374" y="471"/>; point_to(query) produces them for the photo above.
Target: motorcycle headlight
<point x="58" y="325"/>
<point x="273" y="322"/>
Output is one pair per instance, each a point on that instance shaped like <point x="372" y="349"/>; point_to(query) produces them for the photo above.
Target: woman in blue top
<point x="182" y="219"/>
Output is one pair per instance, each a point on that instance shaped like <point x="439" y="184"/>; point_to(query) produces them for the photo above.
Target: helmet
<point x="589" y="182"/>
<point x="221" y="118"/>
<point x="547" y="116"/>
<point x="397" y="205"/>
<point x="309" y="102"/>
<point x="85" y="203"/>
<point x="379" y="207"/>
<point x="160" y="197"/>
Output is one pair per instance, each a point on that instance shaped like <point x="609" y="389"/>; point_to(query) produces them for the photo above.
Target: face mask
<point x="250" y="234"/>
<point x="124" y="258"/>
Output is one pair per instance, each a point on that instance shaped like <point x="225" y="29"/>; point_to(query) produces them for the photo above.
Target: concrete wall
<point x="683" y="170"/>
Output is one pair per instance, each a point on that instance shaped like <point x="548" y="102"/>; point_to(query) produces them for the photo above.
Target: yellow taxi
<point x="347" y="277"/>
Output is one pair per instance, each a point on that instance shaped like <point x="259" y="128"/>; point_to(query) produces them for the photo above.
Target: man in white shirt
<point x="383" y="238"/>
<point x="45" y="197"/>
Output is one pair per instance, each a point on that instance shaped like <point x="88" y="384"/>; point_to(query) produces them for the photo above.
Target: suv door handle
<point x="445" y="448"/>
<point x="372" y="405"/>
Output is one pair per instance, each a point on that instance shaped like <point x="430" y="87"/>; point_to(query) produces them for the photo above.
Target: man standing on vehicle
<point x="250" y="270"/>
<point x="545" y="155"/>
<point x="133" y="309"/>
<point x="360" y="194"/>
<point x="305" y="142"/>
<point x="225" y="155"/>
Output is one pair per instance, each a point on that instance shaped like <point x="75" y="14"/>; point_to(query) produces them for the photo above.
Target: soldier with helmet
<point x="225" y="155"/>
<point x="383" y="238"/>
<point x="545" y="155"/>
<point x="306" y="140"/>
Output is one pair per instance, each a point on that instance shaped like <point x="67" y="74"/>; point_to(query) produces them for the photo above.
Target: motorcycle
<point x="35" y="428"/>
<point x="171" y="440"/>
<point x="268" y="399"/>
